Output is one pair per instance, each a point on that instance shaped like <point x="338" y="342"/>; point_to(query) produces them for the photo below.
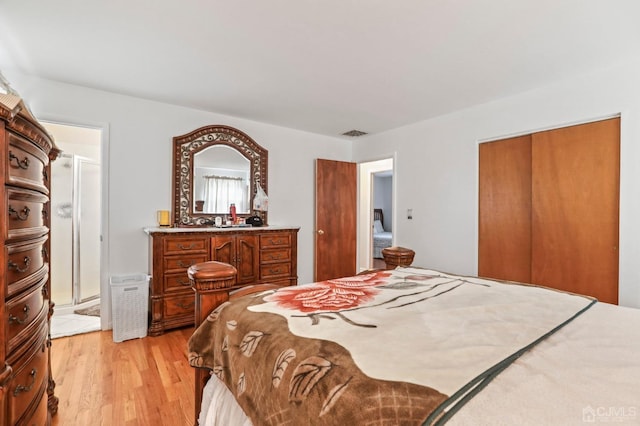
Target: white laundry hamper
<point x="129" y="306"/>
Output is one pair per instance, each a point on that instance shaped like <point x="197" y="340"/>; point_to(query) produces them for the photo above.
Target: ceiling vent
<point x="354" y="133"/>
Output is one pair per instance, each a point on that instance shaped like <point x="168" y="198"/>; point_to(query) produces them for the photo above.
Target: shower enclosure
<point x="75" y="230"/>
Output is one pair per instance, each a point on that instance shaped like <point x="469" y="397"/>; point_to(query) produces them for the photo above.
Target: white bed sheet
<point x="219" y="406"/>
<point x="381" y="240"/>
<point x="587" y="372"/>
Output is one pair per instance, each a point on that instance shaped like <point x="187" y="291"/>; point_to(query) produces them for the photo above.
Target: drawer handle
<point x="181" y="247"/>
<point x="275" y="256"/>
<point x="188" y="283"/>
<point x="22" y="321"/>
<point x="24" y="164"/>
<point x="275" y="271"/>
<point x="184" y="265"/>
<point x="275" y="242"/>
<point x="185" y="306"/>
<point x="20" y="215"/>
<point x="27" y="388"/>
<point x="26" y="261"/>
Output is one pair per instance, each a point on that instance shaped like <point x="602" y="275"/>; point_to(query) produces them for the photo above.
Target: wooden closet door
<point x="575" y="200"/>
<point x="504" y="223"/>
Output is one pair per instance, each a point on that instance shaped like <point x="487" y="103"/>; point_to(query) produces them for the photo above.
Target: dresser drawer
<point x="275" y="270"/>
<point x="275" y="240"/>
<point x="23" y="259"/>
<point x="26" y="313"/>
<point x="182" y="263"/>
<point x="39" y="415"/>
<point x="26" y="164"/>
<point x="176" y="282"/>
<point x="180" y="306"/>
<point x="178" y="245"/>
<point x="278" y="255"/>
<point x="28" y="383"/>
<point x="26" y="214"/>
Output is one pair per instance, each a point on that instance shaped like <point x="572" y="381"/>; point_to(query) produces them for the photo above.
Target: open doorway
<point x="376" y="212"/>
<point x="76" y="229"/>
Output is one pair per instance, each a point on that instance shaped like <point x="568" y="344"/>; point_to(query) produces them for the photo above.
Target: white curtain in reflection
<point x="221" y="191"/>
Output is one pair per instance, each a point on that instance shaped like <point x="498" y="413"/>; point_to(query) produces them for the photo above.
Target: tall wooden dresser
<point x="261" y="255"/>
<point x="26" y="386"/>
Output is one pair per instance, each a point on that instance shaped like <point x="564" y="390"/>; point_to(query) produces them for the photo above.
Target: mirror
<point x="220" y="178"/>
<point x="213" y="167"/>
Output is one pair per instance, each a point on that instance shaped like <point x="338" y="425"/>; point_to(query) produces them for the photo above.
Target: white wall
<point x="436" y="164"/>
<point x="436" y="170"/>
<point x="139" y="167"/>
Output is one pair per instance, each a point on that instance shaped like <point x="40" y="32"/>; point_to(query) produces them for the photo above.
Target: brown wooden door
<point x="223" y="249"/>
<point x="504" y="225"/>
<point x="247" y="259"/>
<point x="240" y="251"/>
<point x="336" y="219"/>
<point x="575" y="200"/>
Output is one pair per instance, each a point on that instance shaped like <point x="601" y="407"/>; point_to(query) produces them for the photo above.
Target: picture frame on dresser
<point x="216" y="148"/>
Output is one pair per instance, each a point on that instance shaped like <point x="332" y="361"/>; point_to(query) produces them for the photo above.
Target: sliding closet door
<point x="575" y="200"/>
<point x="504" y="249"/>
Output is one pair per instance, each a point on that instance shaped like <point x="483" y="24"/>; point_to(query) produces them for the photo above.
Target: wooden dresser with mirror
<point x="26" y="385"/>
<point x="265" y="254"/>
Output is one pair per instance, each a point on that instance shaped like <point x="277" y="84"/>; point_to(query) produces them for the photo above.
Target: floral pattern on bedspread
<point x="279" y="378"/>
<point x="332" y="295"/>
<point x="371" y="349"/>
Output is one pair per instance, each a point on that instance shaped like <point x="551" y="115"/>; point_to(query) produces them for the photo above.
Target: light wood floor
<point x="136" y="382"/>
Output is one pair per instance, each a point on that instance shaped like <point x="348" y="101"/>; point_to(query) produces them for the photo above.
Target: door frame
<point x="105" y="289"/>
<point x="366" y="169"/>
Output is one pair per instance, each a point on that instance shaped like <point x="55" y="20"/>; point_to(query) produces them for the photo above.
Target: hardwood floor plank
<point x="137" y="382"/>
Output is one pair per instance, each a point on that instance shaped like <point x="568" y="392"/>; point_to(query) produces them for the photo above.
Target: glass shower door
<point x="62" y="230"/>
<point x="88" y="235"/>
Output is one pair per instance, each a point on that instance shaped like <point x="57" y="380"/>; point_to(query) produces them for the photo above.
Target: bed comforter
<point x="408" y="346"/>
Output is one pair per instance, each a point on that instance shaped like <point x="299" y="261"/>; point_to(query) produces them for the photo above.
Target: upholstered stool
<point x="397" y="256"/>
<point x="212" y="278"/>
<point x="212" y="275"/>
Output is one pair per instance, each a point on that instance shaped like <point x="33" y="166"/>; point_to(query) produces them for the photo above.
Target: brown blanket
<point x="279" y="378"/>
<point x="427" y="341"/>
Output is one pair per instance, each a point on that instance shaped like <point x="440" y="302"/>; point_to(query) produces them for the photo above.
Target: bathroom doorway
<point x="76" y="229"/>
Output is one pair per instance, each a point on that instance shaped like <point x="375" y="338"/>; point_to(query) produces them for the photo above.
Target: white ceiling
<point x="324" y="66"/>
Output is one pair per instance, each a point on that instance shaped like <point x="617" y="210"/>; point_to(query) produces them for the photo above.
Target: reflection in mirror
<point x="220" y="178"/>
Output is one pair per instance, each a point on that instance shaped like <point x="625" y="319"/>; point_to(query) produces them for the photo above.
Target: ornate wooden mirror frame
<point x="184" y="149"/>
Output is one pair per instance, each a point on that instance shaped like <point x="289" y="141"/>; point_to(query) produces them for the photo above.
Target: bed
<point x="417" y="346"/>
<point x="381" y="237"/>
